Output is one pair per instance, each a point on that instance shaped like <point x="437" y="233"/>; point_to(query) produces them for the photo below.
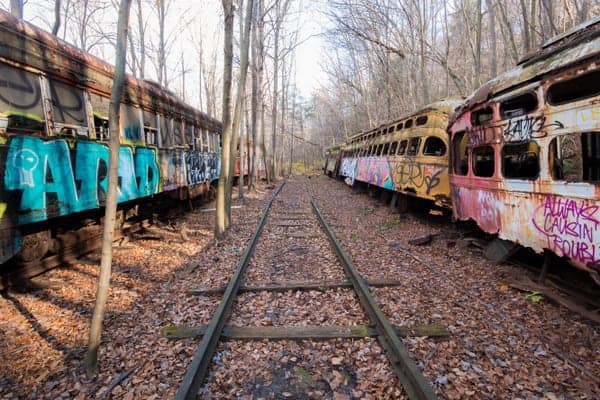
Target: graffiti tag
<point x="418" y="176"/>
<point x="55" y="180"/>
<point x="524" y="129"/>
<point x="570" y="227"/>
<point x="201" y="167"/>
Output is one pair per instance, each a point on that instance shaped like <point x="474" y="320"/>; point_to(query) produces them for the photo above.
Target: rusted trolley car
<point x="526" y="151"/>
<point x="408" y="156"/>
<point x="53" y="143"/>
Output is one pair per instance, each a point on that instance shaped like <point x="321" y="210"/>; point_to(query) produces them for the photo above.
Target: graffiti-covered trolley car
<point x="526" y="151"/>
<point x="54" y="141"/>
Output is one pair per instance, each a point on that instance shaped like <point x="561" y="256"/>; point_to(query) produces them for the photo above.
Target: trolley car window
<point x="150" y="128"/>
<point x="408" y="124"/>
<point x="460" y="153"/>
<point x="402" y="148"/>
<point x="379" y="149"/>
<point x="483" y="161"/>
<point x="386" y="148"/>
<point x="205" y="140"/>
<point x="68" y="104"/>
<point x="413" y="146"/>
<point x="393" y="148"/>
<point x="399" y="126"/>
<point x="434" y="146"/>
<point x="421" y="120"/>
<point x="178" y="132"/>
<point x="166" y="133"/>
<point x="21" y="99"/>
<point x="520" y="161"/>
<point x="100" y="107"/>
<point x="570" y="160"/>
<point x="130" y="121"/>
<point x="517" y="106"/>
<point x="189" y="134"/>
<point x="578" y="88"/>
<point x="482" y="116"/>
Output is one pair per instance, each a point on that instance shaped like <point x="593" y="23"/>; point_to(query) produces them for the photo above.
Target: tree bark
<point x="91" y="357"/>
<point x="241" y="93"/>
<point x="16" y="8"/>
<point x="56" y="25"/>
<point x="222" y="220"/>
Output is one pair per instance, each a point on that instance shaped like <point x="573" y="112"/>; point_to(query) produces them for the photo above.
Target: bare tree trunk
<point x="16" y="8"/>
<point x="526" y="28"/>
<point x="142" y="43"/>
<point x="162" y="57"/>
<point x="261" y="99"/>
<point x="91" y="357"/>
<point x="275" y="89"/>
<point x="254" y="108"/>
<point x="241" y="93"/>
<point x="56" y="25"/>
<point x="222" y="220"/>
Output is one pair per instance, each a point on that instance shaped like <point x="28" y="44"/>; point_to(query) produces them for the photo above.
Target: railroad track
<point x="413" y="383"/>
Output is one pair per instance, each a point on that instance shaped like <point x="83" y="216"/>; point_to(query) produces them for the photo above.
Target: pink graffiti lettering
<point x="570" y="228"/>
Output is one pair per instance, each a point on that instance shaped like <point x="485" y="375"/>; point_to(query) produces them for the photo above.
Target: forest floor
<point x="504" y="343"/>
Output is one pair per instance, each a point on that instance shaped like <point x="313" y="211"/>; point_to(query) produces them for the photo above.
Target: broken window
<point x="566" y="158"/>
<point x="393" y="148"/>
<point x="68" y="106"/>
<point x="483" y="161"/>
<point x="482" y="116"/>
<point x="399" y="126"/>
<point x="402" y="148"/>
<point x="460" y="153"/>
<point x="100" y="107"/>
<point x="379" y="149"/>
<point x="150" y="128"/>
<point x="422" y="120"/>
<point x="408" y="124"/>
<point x="517" y="106"/>
<point x="434" y="146"/>
<point x="413" y="146"/>
<point x="579" y="88"/>
<point x="520" y="161"/>
<point x="21" y="100"/>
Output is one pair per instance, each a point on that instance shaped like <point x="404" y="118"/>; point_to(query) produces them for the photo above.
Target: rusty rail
<point x="414" y="383"/>
<point x="198" y="368"/>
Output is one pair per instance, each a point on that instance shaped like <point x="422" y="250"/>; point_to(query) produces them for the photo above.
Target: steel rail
<point x="198" y="368"/>
<point x="412" y="380"/>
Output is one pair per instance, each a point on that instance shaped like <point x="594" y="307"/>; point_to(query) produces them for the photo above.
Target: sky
<point x="205" y="18"/>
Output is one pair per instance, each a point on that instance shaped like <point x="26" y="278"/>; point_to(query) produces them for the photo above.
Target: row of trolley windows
<point x="434" y="146"/>
<point x="422" y="120"/>
<point x="573" y="158"/>
<point x="579" y="88"/>
<point x="21" y="110"/>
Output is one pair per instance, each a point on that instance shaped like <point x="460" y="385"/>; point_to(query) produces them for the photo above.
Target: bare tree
<point x="16" y="8"/>
<point x="91" y="357"/>
<point x="222" y="217"/>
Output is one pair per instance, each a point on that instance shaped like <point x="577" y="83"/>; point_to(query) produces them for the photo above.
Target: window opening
<point x="434" y="146"/>
<point x="393" y="148"/>
<point x="21" y="100"/>
<point x="178" y="132"/>
<point x="189" y="134"/>
<point x="130" y="121"/>
<point x="399" y="126"/>
<point x="520" y="105"/>
<point x="413" y="146"/>
<point x="150" y="128"/>
<point x="483" y="161"/>
<point x="460" y="153"/>
<point x="166" y="133"/>
<point x="408" y="124"/>
<point x="482" y="116"/>
<point x="578" y="88"/>
<point x="520" y="161"/>
<point x="68" y="107"/>
<point x="422" y="120"/>
<point x="386" y="148"/>
<point x="402" y="148"/>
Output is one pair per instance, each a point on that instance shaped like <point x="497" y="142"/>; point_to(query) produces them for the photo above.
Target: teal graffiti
<point x="43" y="173"/>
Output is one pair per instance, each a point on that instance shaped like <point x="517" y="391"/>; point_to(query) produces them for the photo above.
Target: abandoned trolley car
<point x="53" y="143"/>
<point x="526" y="151"/>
